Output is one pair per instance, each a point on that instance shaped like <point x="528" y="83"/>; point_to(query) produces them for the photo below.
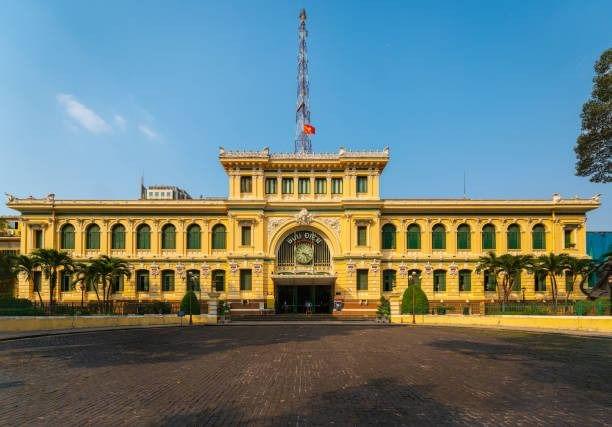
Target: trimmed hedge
<point x="421" y="303"/>
<point x="10" y="306"/>
<point x="599" y="307"/>
<point x="195" y="305"/>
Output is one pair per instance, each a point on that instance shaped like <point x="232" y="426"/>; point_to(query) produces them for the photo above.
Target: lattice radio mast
<point x="302" y="113"/>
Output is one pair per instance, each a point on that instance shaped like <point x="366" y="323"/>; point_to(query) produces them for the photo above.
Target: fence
<point x="120" y="308"/>
<point x="582" y="308"/>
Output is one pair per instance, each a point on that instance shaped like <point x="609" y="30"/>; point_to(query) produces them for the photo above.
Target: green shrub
<point x="18" y="303"/>
<point x="223" y="308"/>
<point x="421" y="304"/>
<point x="384" y="308"/>
<point x="441" y="309"/>
<point x="581" y="308"/>
<point x="195" y="305"/>
<point x="29" y="311"/>
<point x="602" y="306"/>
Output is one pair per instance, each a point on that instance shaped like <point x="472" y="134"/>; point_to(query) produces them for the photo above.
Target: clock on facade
<point x="304" y="253"/>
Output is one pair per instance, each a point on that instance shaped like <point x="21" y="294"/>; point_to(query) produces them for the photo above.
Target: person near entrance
<point x="308" y="305"/>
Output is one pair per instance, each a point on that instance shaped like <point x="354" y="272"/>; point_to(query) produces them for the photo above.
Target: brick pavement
<point x="306" y="375"/>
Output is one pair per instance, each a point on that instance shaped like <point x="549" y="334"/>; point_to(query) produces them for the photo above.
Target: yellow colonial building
<point x="303" y="229"/>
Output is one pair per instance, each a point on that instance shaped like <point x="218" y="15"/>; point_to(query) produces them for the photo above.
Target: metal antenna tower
<point x="302" y="113"/>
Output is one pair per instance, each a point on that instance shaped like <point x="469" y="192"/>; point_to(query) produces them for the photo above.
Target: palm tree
<point x="7" y="272"/>
<point x="88" y="278"/>
<point x="489" y="263"/>
<point x="109" y="268"/>
<point x="552" y="265"/>
<point x="26" y="266"/>
<point x="582" y="267"/>
<point x="509" y="267"/>
<point x="51" y="260"/>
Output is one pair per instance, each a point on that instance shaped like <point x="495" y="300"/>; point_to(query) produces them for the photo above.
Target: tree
<point x="51" y="260"/>
<point x="190" y="305"/>
<point x="7" y="273"/>
<point x="578" y="267"/>
<point x="26" y="265"/>
<point x="594" y="145"/>
<point x="509" y="266"/>
<point x="416" y="294"/>
<point x="552" y="265"/>
<point x="108" y="269"/>
<point x="383" y="310"/>
<point x="490" y="263"/>
<point x="88" y="278"/>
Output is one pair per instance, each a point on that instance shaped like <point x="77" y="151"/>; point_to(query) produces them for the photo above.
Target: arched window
<point x="193" y="280"/>
<point x="218" y="280"/>
<point x="465" y="280"/>
<point x="439" y="280"/>
<point x="194" y="237"/>
<point x="168" y="237"/>
<point x="67" y="284"/>
<point x="514" y="237"/>
<point x="118" y="237"/>
<point x="388" y="280"/>
<point x="414" y="277"/>
<point x="464" y="240"/>
<point x="143" y="237"/>
<point x="490" y="281"/>
<point x="539" y="279"/>
<point x="488" y="236"/>
<point x="67" y="237"/>
<point x="438" y="237"/>
<point x="388" y="236"/>
<point x="538" y="237"/>
<point x="92" y="237"/>
<point x="142" y="281"/>
<point x="167" y="279"/>
<point x="218" y="236"/>
<point x="413" y="237"/>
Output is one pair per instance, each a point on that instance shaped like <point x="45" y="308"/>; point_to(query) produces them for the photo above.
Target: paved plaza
<point x="306" y="374"/>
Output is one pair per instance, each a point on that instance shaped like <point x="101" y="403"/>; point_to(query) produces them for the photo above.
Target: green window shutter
<point x="336" y="185"/>
<point x="513" y="234"/>
<point x="271" y="185"/>
<point x="362" y="184"/>
<point x="219" y="280"/>
<point x="219" y="237"/>
<point x="362" y="280"/>
<point x="567" y="237"/>
<point x="463" y="237"/>
<point x="388" y="236"/>
<point x="362" y="235"/>
<point x="194" y="239"/>
<point x="439" y="281"/>
<point x="245" y="280"/>
<point x="488" y="237"/>
<point x="414" y="237"/>
<point x="465" y="281"/>
<point x="439" y="238"/>
<point x="389" y="278"/>
<point x="245" y="239"/>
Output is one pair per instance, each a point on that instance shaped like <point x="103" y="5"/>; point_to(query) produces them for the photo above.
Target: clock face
<point x="304" y="253"/>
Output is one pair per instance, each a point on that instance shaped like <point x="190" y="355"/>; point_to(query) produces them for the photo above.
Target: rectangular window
<point x="218" y="280"/>
<point x="439" y="281"/>
<point x="117" y="284"/>
<point x="246" y="279"/>
<point x="245" y="238"/>
<point x="465" y="281"/>
<point x="287" y="185"/>
<point x="246" y="184"/>
<point x="67" y="284"/>
<point x="168" y="281"/>
<point x="336" y="185"/>
<point x="362" y="184"/>
<point x="362" y="280"/>
<point x="320" y="185"/>
<point x="490" y="281"/>
<point x="540" y="282"/>
<point x="304" y="186"/>
<point x="142" y="281"/>
<point x="37" y="280"/>
<point x="388" y="280"/>
<point x="271" y="185"/>
<point x="38" y="239"/>
<point x="516" y="285"/>
<point x="567" y="237"/>
<point x="362" y="235"/>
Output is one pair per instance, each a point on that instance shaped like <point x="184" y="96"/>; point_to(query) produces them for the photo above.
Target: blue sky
<point x="94" y="94"/>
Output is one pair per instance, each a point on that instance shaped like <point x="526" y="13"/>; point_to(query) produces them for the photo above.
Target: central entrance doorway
<point x="294" y="298"/>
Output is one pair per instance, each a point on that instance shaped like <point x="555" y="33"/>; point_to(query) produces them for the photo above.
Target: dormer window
<point x="362" y="184"/>
<point x="246" y="184"/>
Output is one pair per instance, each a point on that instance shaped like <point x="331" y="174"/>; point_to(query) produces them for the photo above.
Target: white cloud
<point x="83" y="116"/>
<point x="148" y="132"/>
<point x="120" y="122"/>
